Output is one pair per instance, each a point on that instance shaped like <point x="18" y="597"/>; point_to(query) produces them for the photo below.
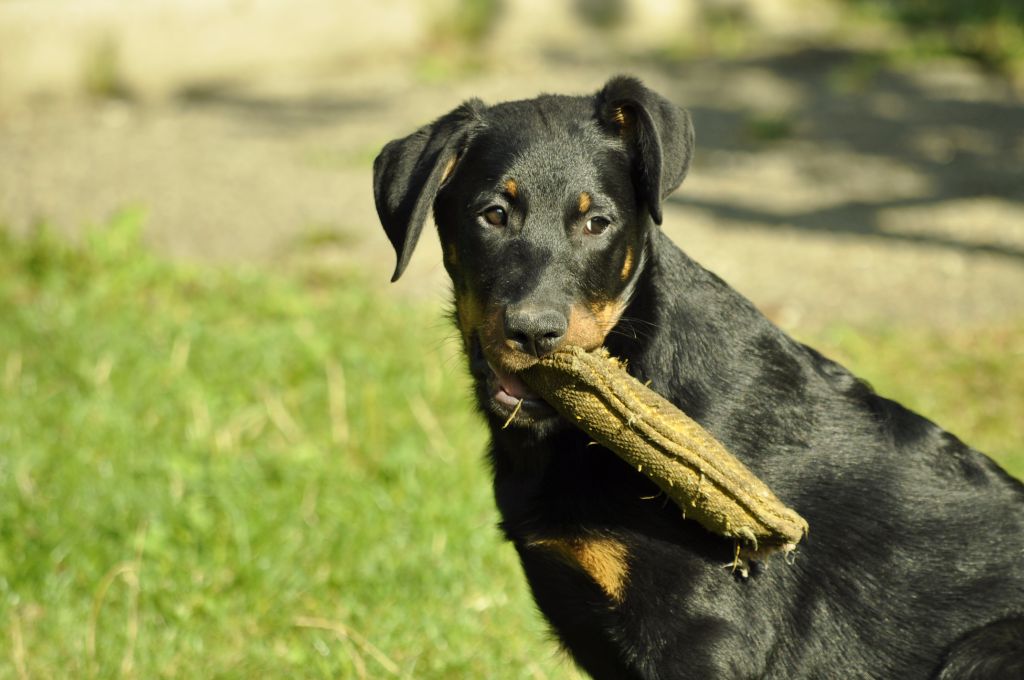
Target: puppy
<point x="548" y="212"/>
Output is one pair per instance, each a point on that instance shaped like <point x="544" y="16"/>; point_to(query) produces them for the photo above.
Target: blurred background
<point x="229" y="447"/>
<point x="888" y="130"/>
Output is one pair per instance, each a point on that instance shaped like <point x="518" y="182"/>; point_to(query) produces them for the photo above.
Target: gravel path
<point x="826" y="188"/>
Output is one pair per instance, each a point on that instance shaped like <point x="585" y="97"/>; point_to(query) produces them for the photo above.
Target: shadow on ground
<point x="961" y="140"/>
<point x="234" y="99"/>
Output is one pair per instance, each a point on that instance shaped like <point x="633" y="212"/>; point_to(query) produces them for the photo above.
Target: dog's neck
<point x="715" y="323"/>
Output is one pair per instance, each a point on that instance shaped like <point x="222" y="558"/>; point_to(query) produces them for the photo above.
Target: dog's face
<point x="544" y="210"/>
<point x="542" y="239"/>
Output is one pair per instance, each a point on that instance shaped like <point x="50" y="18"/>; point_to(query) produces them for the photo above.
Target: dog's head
<point x="544" y="209"/>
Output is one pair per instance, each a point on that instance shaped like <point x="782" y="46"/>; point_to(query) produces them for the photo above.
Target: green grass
<point x="988" y="32"/>
<point x="103" y="71"/>
<point x="767" y="128"/>
<point x="224" y="473"/>
<point x="213" y="472"/>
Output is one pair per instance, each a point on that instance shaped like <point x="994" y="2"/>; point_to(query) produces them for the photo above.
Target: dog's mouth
<point x="504" y="393"/>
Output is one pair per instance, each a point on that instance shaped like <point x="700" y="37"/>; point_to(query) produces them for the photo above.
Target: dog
<point x="548" y="212"/>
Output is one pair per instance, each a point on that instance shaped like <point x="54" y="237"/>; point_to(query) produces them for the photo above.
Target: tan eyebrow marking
<point x="584" y="204"/>
<point x="511" y="188"/>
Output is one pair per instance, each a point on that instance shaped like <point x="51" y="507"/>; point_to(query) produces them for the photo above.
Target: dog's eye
<point x="495" y="216"/>
<point x="596" y="225"/>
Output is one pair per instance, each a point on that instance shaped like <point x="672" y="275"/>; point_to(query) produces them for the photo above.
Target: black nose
<point x="535" y="330"/>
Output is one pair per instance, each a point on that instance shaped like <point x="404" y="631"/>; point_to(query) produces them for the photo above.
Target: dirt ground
<point x="827" y="187"/>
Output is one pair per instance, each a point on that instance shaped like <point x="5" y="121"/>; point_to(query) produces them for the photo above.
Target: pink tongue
<point x="513" y="385"/>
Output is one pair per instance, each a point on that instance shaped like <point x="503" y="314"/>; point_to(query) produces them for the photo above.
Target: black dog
<point x="547" y="212"/>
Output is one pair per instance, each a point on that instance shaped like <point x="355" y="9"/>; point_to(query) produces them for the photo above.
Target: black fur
<point x="914" y="565"/>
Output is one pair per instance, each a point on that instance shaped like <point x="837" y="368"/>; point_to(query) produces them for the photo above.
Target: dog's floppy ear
<point x="660" y="136"/>
<point x="409" y="171"/>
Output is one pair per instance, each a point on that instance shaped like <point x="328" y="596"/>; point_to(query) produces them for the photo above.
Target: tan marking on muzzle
<point x="627" y="266"/>
<point x="589" y="324"/>
<point x="487" y="322"/>
<point x="603" y="559"/>
<point x="469" y="315"/>
<point x="502" y="351"/>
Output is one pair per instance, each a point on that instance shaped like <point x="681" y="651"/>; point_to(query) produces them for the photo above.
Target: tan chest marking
<point x="603" y="559"/>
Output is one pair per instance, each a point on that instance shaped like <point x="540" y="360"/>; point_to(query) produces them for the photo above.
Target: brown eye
<point x="495" y="216"/>
<point x="596" y="225"/>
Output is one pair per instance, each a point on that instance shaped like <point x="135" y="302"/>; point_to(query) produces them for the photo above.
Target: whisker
<point x="628" y="330"/>
<point x="635" y="320"/>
